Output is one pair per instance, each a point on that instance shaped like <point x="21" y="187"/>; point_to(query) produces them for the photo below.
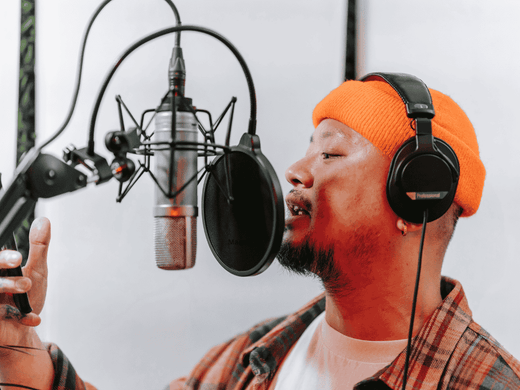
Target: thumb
<point x="39" y="239"/>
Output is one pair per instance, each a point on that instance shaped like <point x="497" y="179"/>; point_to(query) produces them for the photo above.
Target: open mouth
<point x="297" y="210"/>
<point x="297" y="207"/>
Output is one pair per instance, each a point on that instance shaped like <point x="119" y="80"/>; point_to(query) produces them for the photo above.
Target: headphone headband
<point x="412" y="90"/>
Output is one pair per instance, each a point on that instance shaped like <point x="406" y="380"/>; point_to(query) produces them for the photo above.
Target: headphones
<point x="424" y="172"/>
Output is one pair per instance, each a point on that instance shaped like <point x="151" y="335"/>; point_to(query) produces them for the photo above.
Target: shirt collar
<point x="430" y="350"/>
<point x="266" y="354"/>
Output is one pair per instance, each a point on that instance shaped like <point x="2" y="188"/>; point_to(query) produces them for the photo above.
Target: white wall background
<point x="126" y="324"/>
<point x="468" y="50"/>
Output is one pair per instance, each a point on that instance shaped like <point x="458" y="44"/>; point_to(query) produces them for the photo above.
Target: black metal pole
<point x="351" y="41"/>
<point x="26" y="134"/>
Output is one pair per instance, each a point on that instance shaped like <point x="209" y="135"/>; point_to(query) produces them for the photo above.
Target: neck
<point x="378" y="305"/>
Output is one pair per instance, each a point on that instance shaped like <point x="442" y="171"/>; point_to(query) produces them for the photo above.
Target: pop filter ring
<point x="244" y="233"/>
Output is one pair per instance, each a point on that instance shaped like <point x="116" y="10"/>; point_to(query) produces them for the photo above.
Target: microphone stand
<point x="42" y="175"/>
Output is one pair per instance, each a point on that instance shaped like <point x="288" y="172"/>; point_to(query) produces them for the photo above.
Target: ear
<point x="406" y="227"/>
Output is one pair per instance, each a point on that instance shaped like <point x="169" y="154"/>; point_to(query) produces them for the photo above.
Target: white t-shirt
<point x="325" y="359"/>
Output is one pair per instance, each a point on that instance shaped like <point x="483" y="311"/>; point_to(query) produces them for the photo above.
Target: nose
<point x="300" y="173"/>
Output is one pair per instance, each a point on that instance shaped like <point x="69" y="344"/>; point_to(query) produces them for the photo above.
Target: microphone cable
<point x="415" y="293"/>
<point x="80" y="67"/>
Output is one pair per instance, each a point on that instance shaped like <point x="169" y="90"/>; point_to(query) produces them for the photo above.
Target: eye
<point x="327" y="156"/>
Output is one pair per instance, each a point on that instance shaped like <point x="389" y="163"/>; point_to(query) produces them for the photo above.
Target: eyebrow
<point x="326" y="134"/>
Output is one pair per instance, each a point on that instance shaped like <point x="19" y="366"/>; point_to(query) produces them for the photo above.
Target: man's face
<point x="338" y="207"/>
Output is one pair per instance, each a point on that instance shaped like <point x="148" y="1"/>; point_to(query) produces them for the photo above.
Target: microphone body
<point x="175" y="234"/>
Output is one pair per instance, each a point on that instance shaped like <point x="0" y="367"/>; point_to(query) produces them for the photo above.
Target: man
<point x="342" y="229"/>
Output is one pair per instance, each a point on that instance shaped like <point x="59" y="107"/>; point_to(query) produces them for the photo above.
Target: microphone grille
<point x="175" y="242"/>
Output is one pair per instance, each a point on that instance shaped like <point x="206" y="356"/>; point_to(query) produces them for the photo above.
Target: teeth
<point x="298" y="210"/>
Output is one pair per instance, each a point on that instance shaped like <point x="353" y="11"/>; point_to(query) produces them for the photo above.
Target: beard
<point x="310" y="259"/>
<point x="307" y="260"/>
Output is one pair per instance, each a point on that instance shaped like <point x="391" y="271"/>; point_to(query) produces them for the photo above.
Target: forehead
<point x="331" y="128"/>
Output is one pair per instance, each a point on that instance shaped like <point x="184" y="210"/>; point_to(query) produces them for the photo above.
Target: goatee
<point x="305" y="259"/>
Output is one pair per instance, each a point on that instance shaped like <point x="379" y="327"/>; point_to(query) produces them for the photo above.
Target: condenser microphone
<point x="175" y="216"/>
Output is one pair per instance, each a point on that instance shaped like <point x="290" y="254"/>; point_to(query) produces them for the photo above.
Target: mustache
<point x="298" y="195"/>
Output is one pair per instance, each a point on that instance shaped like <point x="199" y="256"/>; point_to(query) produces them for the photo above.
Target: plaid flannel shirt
<point x="451" y="351"/>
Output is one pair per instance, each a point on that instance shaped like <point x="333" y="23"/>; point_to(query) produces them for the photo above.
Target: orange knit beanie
<point x="375" y="110"/>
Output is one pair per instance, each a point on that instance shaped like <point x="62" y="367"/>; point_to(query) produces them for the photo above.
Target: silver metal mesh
<point x="175" y="242"/>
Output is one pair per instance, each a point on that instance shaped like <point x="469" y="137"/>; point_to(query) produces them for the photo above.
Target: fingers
<point x="36" y="268"/>
<point x="11" y="313"/>
<point x="10" y="259"/>
<point x="39" y="239"/>
<point x="16" y="285"/>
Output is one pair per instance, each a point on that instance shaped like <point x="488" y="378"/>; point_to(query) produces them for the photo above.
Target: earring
<point x="405" y="230"/>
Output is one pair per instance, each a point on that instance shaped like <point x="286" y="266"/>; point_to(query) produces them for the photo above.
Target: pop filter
<point x="242" y="209"/>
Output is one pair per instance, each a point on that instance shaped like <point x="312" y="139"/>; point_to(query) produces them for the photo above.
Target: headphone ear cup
<point x="417" y="177"/>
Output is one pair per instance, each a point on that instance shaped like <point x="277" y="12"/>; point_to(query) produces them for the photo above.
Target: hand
<point x="14" y="327"/>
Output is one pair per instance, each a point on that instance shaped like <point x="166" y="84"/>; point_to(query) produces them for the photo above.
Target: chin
<point x="303" y="258"/>
<point x="294" y="237"/>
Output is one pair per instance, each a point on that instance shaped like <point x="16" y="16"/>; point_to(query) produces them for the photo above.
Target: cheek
<point x="330" y="213"/>
<point x="351" y="201"/>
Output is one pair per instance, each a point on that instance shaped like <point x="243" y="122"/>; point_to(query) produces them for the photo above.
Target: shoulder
<point x="260" y="330"/>
<point x="224" y="363"/>
<point x="479" y="360"/>
<point x="265" y="344"/>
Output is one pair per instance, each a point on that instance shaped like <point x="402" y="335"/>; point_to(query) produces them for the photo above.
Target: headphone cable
<point x="416" y="290"/>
